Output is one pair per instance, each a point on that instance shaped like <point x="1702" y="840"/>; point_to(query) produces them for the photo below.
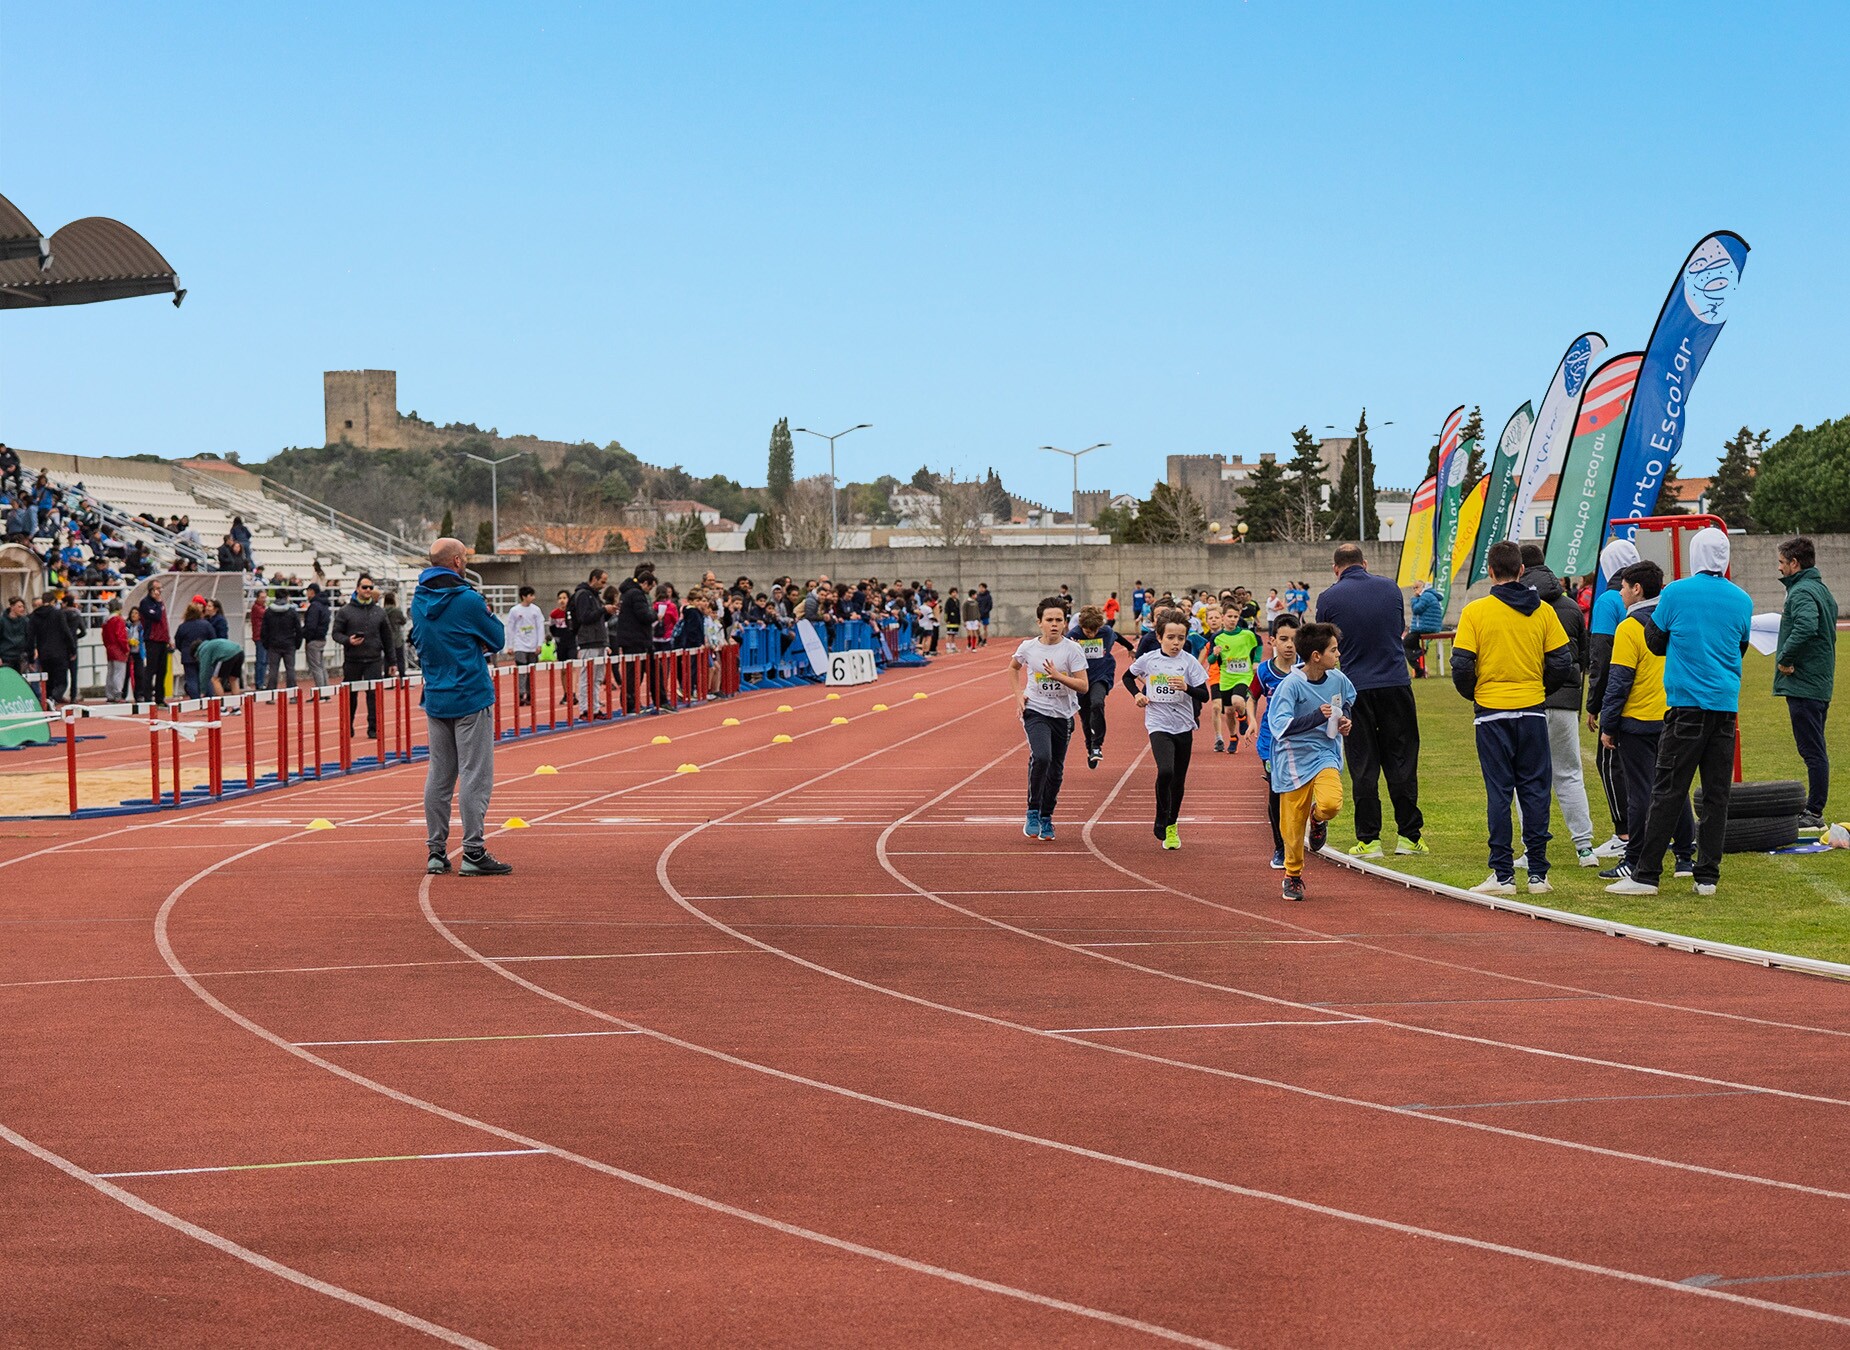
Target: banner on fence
<point x="22" y="721"/>
<point x="1577" y="524"/>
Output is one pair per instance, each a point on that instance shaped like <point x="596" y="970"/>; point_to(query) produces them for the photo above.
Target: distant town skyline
<point x="1182" y="231"/>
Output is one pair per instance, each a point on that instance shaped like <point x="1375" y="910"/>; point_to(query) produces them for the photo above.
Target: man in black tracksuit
<point x="53" y="647"/>
<point x="364" y="635"/>
<point x="634" y="628"/>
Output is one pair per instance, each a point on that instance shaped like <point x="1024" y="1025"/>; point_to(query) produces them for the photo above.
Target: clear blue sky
<point x="982" y="227"/>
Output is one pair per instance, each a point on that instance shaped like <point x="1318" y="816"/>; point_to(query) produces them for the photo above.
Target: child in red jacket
<point x="115" y="650"/>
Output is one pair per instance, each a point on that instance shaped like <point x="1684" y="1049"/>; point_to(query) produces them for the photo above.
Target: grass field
<point x="1798" y="904"/>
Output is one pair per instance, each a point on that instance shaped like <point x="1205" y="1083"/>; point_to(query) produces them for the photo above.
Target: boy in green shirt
<point x="1238" y="650"/>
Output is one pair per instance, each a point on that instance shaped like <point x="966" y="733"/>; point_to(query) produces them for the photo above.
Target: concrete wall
<point x="1020" y="576"/>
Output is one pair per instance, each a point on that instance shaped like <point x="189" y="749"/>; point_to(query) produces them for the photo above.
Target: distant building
<point x="361" y="408"/>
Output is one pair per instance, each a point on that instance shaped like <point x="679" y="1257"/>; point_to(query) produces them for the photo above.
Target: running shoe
<point x="1219" y="745"/>
<point x="1586" y="857"/>
<point x="1157" y="830"/>
<point x="1033" y="827"/>
<point x="1278" y="860"/>
<point x="1093" y="757"/>
<point x="1522" y="862"/>
<point x="1410" y="848"/>
<point x="1686" y="867"/>
<point x="1810" y="820"/>
<point x="1538" y="884"/>
<point x="1172" y="838"/>
<point x="1631" y="886"/>
<point x="1233" y="746"/>
<point x="1367" y="848"/>
<point x="438" y="864"/>
<point x="1617" y="873"/>
<point x="1294" y="888"/>
<point x="1047" y="828"/>
<point x="483" y="864"/>
<point x="1319" y="835"/>
<point x="1495" y="885"/>
<point x="1612" y="848"/>
<point x="1705" y="888"/>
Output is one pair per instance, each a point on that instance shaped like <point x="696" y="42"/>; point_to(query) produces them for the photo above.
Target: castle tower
<point x="362" y="408"/>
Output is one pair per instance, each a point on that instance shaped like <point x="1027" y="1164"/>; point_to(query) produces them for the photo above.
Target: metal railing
<point x="298" y="519"/>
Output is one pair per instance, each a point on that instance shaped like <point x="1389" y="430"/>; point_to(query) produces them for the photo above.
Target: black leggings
<point x="1271" y="810"/>
<point x="1172" y="750"/>
<point x="1047" y="742"/>
<point x="1092" y="713"/>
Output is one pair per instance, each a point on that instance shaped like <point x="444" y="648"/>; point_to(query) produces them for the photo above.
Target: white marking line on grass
<point x="1211" y="1026"/>
<point x="235" y="1250"/>
<point x="324" y="1162"/>
<point x="454" y="1040"/>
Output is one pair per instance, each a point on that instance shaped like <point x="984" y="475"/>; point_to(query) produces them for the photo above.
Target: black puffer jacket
<point x="634" y="630"/>
<point x="1548" y="586"/>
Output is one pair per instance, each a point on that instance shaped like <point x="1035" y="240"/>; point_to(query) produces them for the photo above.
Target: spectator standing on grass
<point x="1562" y="706"/>
<point x="1805" y="667"/>
<point x="1631" y="719"/>
<point x="281" y="636"/>
<point x="526" y="629"/>
<point x="1427" y="617"/>
<point x="1605" y="615"/>
<point x="1509" y="655"/>
<point x="115" y="651"/>
<point x="1700" y="628"/>
<point x="591" y="627"/>
<point x="15" y="635"/>
<point x="456" y="637"/>
<point x="1055" y="676"/>
<point x="364" y="635"/>
<point x="315" y="620"/>
<point x="1371" y="615"/>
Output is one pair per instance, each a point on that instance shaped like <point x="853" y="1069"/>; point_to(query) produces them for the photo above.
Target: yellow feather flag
<point x="1470" y="516"/>
<point x="1416" y="552"/>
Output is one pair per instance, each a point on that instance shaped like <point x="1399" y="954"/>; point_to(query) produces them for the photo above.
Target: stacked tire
<point x="1761" y="816"/>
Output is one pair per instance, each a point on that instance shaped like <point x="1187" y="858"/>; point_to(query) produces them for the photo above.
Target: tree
<point x="924" y="479"/>
<point x="1358" y="464"/>
<point x="615" y="541"/>
<point x="1669" y="501"/>
<point x="996" y="501"/>
<point x="680" y="534"/>
<point x="1306" y="520"/>
<point x="484" y="536"/>
<point x="1802" y="483"/>
<point x="781" y="470"/>
<point x="1170" y="516"/>
<point x="765" y="531"/>
<point x="955" y="510"/>
<point x="1119" y="522"/>
<point x="1732" y="489"/>
<point x="1473" y="430"/>
<point x="805" y="517"/>
<point x="448" y="529"/>
<point x="1265" y="503"/>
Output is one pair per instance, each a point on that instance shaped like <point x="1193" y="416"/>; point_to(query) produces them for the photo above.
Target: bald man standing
<point x="456" y="636"/>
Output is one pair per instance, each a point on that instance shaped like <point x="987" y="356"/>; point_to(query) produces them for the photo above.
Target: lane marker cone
<point x="730" y="722"/>
<point x="921" y="694"/>
<point x="687" y="768"/>
<point x="879" y="707"/>
<point x="785" y="707"/>
<point x="660" y="740"/>
<point x="545" y="768"/>
<point x="319" y="823"/>
<point x="780" y="739"/>
<point x="831" y="696"/>
<point x="515" y="823"/>
<point x="838" y="721"/>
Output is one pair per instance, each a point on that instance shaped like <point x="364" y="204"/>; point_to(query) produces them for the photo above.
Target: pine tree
<point x="1343" y="522"/>
<point x="484" y="536"/>
<point x="765" y="532"/>
<point x="448" y="529"/>
<point x="996" y="500"/>
<point x="781" y="471"/>
<point x="1171" y="516"/>
<point x="1306" y="519"/>
<point x="1265" y="503"/>
<point x="1668" y="501"/>
<point x="1473" y="430"/>
<point x="1732" y="491"/>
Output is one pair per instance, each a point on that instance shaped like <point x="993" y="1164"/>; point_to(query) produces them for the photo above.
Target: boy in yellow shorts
<point x="1308" y="717"/>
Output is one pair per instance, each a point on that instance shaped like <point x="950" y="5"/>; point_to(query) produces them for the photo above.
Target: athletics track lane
<point x="778" y="1018"/>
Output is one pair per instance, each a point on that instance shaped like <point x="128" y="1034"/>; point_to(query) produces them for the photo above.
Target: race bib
<point x="1046" y="683"/>
<point x="1243" y="666"/>
<point x="1094" y="648"/>
<point x="1165" y="688"/>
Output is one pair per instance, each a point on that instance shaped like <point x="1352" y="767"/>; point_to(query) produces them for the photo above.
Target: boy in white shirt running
<point x="1056" y="676"/>
<point x="1170" y="686"/>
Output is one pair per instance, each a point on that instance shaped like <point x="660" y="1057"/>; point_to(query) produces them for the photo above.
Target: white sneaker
<point x="1612" y="848"/>
<point x="1491" y="886"/>
<point x="1586" y="857"/>
<point x="1705" y="888"/>
<point x="1539" y="886"/>
<point x="1522" y="862"/>
<point x="1630" y="887"/>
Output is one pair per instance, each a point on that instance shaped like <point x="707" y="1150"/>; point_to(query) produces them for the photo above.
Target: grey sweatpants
<point x="460" y="748"/>
<point x="1570" y="784"/>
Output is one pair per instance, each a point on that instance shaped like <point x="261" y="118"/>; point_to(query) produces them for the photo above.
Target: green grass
<point x="1796" y="904"/>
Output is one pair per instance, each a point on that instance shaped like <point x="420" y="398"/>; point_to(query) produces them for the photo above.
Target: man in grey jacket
<point x="1562" y="706"/>
<point x="363" y="632"/>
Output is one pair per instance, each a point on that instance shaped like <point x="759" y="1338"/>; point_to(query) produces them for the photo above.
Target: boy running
<point x="1307" y="751"/>
<point x="1170" y="686"/>
<point x="1056" y="676"/>
<point x="1266" y="681"/>
<point x="1096" y="638"/>
<point x="1238" y="649"/>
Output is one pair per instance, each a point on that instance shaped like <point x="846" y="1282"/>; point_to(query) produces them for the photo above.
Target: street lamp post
<point x="494" y="488"/>
<point x="834" y="524"/>
<point x="1074" y="456"/>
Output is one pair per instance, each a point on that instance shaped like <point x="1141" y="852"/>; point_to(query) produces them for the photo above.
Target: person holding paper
<point x="1307" y="716"/>
<point x="1510" y="654"/>
<point x="1170" y="685"/>
<point x="1805" y="662"/>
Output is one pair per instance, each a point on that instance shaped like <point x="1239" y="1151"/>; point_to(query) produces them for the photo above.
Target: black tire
<point x="1760" y="834"/>
<point x="1762" y="801"/>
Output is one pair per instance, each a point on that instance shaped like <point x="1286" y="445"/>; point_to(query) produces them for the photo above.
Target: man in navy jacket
<point x="1371" y="615"/>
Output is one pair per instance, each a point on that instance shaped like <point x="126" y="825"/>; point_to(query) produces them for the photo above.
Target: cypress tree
<point x="781" y="471"/>
<point x="1307" y="520"/>
<point x="1731" y="493"/>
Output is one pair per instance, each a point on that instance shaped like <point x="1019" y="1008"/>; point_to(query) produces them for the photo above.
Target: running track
<point x="814" y="1048"/>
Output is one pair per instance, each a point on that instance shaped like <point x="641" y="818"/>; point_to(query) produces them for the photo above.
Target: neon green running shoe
<point x="1172" y="838"/>
<point x="1408" y="848"/>
<point x="1367" y="848"/>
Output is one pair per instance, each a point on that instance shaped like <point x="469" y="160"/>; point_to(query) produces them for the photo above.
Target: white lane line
<point x="456" y="1040"/>
<point x="326" y="1162"/>
<point x="1210" y="1026"/>
<point x="235" y="1250"/>
<point x="1208" y="942"/>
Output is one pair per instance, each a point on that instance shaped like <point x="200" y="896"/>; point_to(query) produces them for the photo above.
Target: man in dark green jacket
<point x="1806" y="666"/>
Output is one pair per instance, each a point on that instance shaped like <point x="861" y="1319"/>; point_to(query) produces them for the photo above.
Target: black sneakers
<point x="1294" y="888"/>
<point x="1319" y="836"/>
<point x="483" y="864"/>
<point x="438" y="864"/>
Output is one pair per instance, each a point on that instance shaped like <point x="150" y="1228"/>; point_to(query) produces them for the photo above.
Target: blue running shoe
<point x="1033" y="828"/>
<point x="1047" y="827"/>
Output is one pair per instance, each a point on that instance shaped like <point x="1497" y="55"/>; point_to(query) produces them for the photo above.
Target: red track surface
<point x="814" y="1048"/>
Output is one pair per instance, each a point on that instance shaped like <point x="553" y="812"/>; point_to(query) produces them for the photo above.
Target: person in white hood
<point x="1608" y="614"/>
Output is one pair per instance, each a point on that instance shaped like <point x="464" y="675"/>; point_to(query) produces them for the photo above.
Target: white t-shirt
<point x="1166" y="680"/>
<point x="526" y="628"/>
<point x="1046" y="694"/>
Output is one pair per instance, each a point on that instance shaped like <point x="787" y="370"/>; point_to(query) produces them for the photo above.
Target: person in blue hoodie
<point x="456" y="636"/>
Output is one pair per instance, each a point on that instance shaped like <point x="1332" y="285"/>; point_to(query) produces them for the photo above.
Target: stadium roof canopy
<point x="20" y="238"/>
<point x="91" y="259"/>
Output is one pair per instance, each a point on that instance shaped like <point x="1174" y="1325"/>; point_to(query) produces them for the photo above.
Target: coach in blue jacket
<point x="1371" y="615"/>
<point x="456" y="637"/>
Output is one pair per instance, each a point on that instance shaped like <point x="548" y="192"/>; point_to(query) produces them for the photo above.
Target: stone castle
<point x="361" y="409"/>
